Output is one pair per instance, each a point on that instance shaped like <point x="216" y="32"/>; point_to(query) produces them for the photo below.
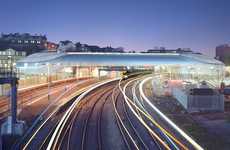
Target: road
<point x="108" y="115"/>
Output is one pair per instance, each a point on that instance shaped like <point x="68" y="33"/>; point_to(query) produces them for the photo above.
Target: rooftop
<point x="117" y="59"/>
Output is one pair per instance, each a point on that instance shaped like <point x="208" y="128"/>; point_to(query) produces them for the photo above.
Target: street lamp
<point x="49" y="81"/>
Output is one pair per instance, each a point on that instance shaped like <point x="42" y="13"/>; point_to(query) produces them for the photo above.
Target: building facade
<point x="69" y="46"/>
<point x="223" y="54"/>
<point x="23" y="42"/>
<point x="8" y="59"/>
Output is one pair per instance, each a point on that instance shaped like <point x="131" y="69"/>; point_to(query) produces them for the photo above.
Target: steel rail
<point x="120" y="123"/>
<point x="159" y="128"/>
<point x="140" y="119"/>
<point x="173" y="125"/>
<point x="83" y="142"/>
<point x="132" y="126"/>
<point x="53" y="141"/>
<point x="69" y="128"/>
<point x="143" y="109"/>
<point x="148" y="116"/>
<point x="46" y="120"/>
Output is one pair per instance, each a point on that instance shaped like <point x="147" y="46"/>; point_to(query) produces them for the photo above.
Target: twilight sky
<point x="133" y="24"/>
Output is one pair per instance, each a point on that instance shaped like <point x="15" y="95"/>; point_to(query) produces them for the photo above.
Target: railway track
<point x="85" y="130"/>
<point x="163" y="136"/>
<point x="82" y="110"/>
<point x="83" y="125"/>
<point x="87" y="122"/>
<point x="28" y="98"/>
<point x="39" y="135"/>
<point x="130" y="135"/>
<point x="138" y="106"/>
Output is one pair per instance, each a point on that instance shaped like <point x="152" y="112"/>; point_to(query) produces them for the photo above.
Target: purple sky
<point x="133" y="24"/>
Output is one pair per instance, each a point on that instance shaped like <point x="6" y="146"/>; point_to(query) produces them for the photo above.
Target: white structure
<point x="173" y="65"/>
<point x="199" y="100"/>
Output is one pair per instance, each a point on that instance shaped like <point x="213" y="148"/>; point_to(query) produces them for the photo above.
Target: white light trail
<point x="61" y="124"/>
<point x="189" y="139"/>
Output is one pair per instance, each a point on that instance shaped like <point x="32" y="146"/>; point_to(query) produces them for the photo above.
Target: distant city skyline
<point x="135" y="25"/>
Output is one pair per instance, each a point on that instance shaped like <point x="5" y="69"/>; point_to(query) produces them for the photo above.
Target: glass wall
<point x="214" y="74"/>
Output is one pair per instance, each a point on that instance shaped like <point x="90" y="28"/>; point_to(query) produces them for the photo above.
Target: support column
<point x="77" y="72"/>
<point x="12" y="126"/>
<point x="14" y="100"/>
<point x="99" y="73"/>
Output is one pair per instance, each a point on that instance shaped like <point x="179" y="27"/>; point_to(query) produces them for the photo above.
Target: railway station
<point x="36" y="68"/>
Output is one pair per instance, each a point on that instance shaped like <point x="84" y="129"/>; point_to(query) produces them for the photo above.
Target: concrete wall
<point x="206" y="103"/>
<point x="199" y="103"/>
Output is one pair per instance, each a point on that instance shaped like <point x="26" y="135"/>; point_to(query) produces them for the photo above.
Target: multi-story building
<point x="223" y="54"/>
<point x="69" y="46"/>
<point x="8" y="59"/>
<point x="23" y="42"/>
<point x="164" y="50"/>
<point x="94" y="48"/>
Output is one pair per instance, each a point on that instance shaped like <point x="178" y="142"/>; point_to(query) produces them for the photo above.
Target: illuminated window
<point x="19" y="41"/>
<point x="38" y="42"/>
<point x="32" y="41"/>
<point x="23" y="53"/>
<point x="26" y="41"/>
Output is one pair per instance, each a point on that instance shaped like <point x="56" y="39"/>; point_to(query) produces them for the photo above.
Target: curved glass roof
<point x="117" y="59"/>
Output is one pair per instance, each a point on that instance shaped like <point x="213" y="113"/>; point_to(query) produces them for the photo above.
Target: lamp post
<point x="49" y="81"/>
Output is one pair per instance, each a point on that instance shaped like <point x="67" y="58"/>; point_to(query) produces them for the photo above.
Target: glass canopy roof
<point x="116" y="59"/>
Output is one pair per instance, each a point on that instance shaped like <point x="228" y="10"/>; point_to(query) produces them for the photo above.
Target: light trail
<point x="53" y="141"/>
<point x="45" y="84"/>
<point x="188" y="138"/>
<point x="42" y="97"/>
<point x="148" y="116"/>
<point x="120" y="120"/>
<point x="146" y="113"/>
<point x="50" y="115"/>
<point x="139" y="118"/>
<point x="48" y="118"/>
